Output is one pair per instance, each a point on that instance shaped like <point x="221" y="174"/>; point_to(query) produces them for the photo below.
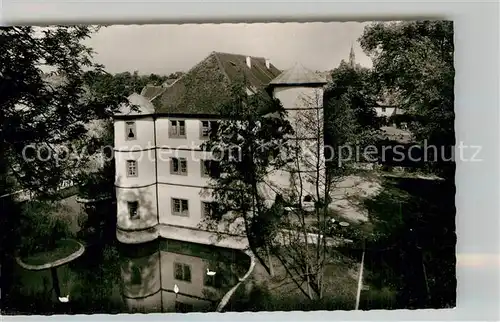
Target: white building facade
<point x="161" y="178"/>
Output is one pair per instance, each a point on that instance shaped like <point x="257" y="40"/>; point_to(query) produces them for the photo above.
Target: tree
<point x="123" y="83"/>
<point x="319" y="165"/>
<point x="414" y="60"/>
<point x="304" y="256"/>
<point x="45" y="102"/>
<point x="354" y="85"/>
<point x="44" y="107"/>
<point x="249" y="143"/>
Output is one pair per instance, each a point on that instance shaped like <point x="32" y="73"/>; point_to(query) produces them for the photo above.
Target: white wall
<point x="144" y="134"/>
<point x="298" y="97"/>
<point x="168" y="147"/>
<point x="193" y="159"/>
<point x="147" y="207"/>
<point x="305" y="122"/>
<point x="145" y="161"/>
<point x="192" y="139"/>
<point x="194" y="196"/>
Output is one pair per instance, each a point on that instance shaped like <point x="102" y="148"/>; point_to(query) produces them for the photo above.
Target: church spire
<point x="352" y="57"/>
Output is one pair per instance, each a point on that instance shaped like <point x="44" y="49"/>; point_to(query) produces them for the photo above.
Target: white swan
<point x="176" y="289"/>
<point x="210" y="273"/>
<point x="64" y="299"/>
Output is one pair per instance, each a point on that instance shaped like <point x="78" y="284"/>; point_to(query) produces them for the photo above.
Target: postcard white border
<point x="477" y="123"/>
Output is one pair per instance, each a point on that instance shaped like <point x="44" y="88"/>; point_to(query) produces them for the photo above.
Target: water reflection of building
<point x="142" y="283"/>
<point x="149" y="278"/>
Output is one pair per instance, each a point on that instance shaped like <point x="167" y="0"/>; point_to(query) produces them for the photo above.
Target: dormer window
<point x="177" y="128"/>
<point x="130" y="132"/>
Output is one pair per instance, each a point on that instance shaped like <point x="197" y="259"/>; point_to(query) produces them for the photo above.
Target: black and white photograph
<point x="228" y="167"/>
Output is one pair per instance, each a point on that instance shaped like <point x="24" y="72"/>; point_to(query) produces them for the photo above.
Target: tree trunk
<point x="253" y="248"/>
<point x="308" y="278"/>
<point x="55" y="281"/>
<point x="293" y="279"/>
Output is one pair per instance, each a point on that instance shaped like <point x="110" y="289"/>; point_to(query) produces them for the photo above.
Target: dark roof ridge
<point x="159" y="93"/>
<point x="225" y="53"/>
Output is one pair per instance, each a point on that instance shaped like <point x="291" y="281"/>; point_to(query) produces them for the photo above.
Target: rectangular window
<point x="177" y="129"/>
<point x="182" y="128"/>
<point x="182" y="272"/>
<point x="183" y="307"/>
<point x="133" y="209"/>
<point x="178" y="166"/>
<point x="131" y="168"/>
<point x="383" y="109"/>
<point x="210" y="168"/>
<point x="180" y="207"/>
<point x="130" y="133"/>
<point x="184" y="166"/>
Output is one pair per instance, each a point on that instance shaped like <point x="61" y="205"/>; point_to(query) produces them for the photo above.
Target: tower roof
<point x="352" y="57"/>
<point x="298" y="75"/>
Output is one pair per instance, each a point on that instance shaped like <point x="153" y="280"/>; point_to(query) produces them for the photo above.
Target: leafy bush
<point x="41" y="226"/>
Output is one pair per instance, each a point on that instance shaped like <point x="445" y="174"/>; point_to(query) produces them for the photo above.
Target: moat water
<point x="162" y="276"/>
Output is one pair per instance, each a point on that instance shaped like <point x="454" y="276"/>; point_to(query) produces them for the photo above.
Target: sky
<point x="164" y="49"/>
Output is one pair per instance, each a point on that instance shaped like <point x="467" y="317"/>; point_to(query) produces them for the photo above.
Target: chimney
<point x="268" y="64"/>
<point x="249" y="62"/>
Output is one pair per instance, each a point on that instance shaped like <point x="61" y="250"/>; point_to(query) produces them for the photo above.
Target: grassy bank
<point x="62" y="249"/>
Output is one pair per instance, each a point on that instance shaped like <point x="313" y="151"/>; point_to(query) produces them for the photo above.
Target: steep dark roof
<point x="150" y="91"/>
<point x="203" y="88"/>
